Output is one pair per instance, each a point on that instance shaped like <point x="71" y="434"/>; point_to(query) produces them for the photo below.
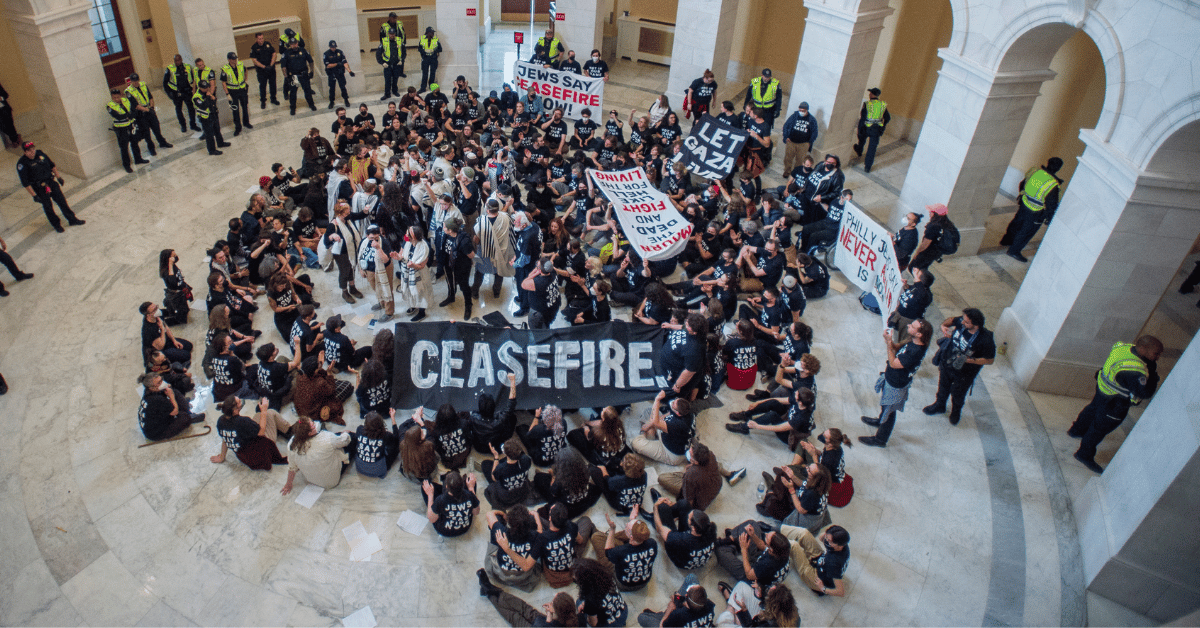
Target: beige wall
<point x="1070" y="102"/>
<point x="661" y="10"/>
<point x="768" y="35"/>
<point x="911" y="64"/>
<point x="13" y="76"/>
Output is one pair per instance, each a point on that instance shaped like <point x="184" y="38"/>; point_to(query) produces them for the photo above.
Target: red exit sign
<point x="560" y="17"/>
<point x="518" y="37"/>
<point x="470" y="12"/>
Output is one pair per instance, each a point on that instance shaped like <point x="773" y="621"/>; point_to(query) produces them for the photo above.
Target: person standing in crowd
<point x="430" y="48"/>
<point x="336" y="67"/>
<point x="872" y="121"/>
<point x="968" y="347"/>
<point x="493" y="230"/>
<point x="799" y="129"/>
<point x="700" y="94"/>
<point x="905" y="240"/>
<point x="263" y="53"/>
<point x="902" y="364"/>
<point x="928" y="250"/>
<point x="143" y="104"/>
<point x="179" y="82"/>
<point x="7" y="127"/>
<point x="375" y="264"/>
<point x="128" y="135"/>
<point x="765" y="94"/>
<point x="596" y="68"/>
<point x="297" y="70"/>
<point x="320" y="455"/>
<point x="911" y="305"/>
<point x="461" y="258"/>
<point x="12" y="267"/>
<point x="206" y="112"/>
<point x="1040" y="191"/>
<point x="163" y="412"/>
<point x="551" y="45"/>
<point x="1129" y="375"/>
<point x="39" y="176"/>
<point x="233" y="81"/>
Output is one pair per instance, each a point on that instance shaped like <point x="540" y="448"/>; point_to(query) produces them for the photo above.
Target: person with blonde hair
<point x="320" y="455"/>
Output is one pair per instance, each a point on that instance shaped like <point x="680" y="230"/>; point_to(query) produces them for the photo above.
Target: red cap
<point x="27" y="146"/>
<point x="937" y="208"/>
<point x="264" y="181"/>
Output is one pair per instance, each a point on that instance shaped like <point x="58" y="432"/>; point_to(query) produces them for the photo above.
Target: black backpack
<point x="949" y="240"/>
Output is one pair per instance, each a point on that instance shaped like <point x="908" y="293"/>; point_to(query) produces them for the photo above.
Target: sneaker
<point x="4" y="293"/>
<point x="198" y="418"/>
<point x="419" y="317"/>
<point x="758" y="395"/>
<point x="248" y="125"/>
<point x="870" y="420"/>
<point x="446" y="302"/>
<point x="385" y="318"/>
<point x="25" y="276"/>
<point x="263" y="106"/>
<point x="857" y="149"/>
<point x="59" y="228"/>
<point x="933" y="409"/>
<point x="376" y="307"/>
<point x="75" y="223"/>
<point x="654" y="495"/>
<point x="165" y="145"/>
<point x="1089" y="463"/>
<point x="355" y="292"/>
<point x="738" y="428"/>
<point x="739" y="416"/>
<point x="737" y="476"/>
<point x="1073" y="434"/>
<point x="871" y="441"/>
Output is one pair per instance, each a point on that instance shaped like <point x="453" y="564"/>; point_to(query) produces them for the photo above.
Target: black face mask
<point x="828" y="546"/>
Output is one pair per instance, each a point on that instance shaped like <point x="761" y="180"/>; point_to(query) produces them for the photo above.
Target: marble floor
<point x="963" y="525"/>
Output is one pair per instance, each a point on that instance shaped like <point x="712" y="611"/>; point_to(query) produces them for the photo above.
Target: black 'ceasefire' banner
<point x="712" y="148"/>
<point x="577" y="367"/>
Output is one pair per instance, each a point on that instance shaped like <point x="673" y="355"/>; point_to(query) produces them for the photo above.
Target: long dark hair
<point x="570" y="472"/>
<point x="446" y="420"/>
<point x="520" y="523"/>
<point x="373" y="373"/>
<point x="595" y="580"/>
<point x="383" y="346"/>
<point x="164" y="262"/>
<point x="373" y="426"/>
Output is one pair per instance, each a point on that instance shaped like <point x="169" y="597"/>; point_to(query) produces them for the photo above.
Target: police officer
<point x="1129" y="375"/>
<point x="264" y="56"/>
<point x="764" y="93"/>
<point x="393" y="28"/>
<point x="143" y="105"/>
<point x="233" y="81"/>
<point x="430" y="49"/>
<point x="336" y="67"/>
<point x="1038" y="202"/>
<point x="297" y="70"/>
<point x="179" y="82"/>
<point x="39" y="176"/>
<point x="390" y="55"/>
<point x="552" y="45"/>
<point x="285" y="44"/>
<point x="204" y="73"/>
<point x="799" y="133"/>
<point x="872" y="120"/>
<point x="206" y="111"/>
<point x="122" y="114"/>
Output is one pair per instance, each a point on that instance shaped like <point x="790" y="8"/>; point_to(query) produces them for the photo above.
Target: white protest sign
<point x="568" y="90"/>
<point x="653" y="225"/>
<point x="866" y="256"/>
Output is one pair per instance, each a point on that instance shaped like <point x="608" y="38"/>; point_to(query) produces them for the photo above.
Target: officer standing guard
<point x="1039" y="201"/>
<point x="1129" y="375"/>
<point x="297" y="69"/>
<point x="552" y="46"/>
<point x="206" y="111"/>
<point x="336" y="67"/>
<point x="233" y="81"/>
<point x="390" y="54"/>
<point x="142" y="98"/>
<point x="430" y="49"/>
<point x="764" y="94"/>
<point x="179" y="82"/>
<point x="121" y="111"/>
<point x="204" y="73"/>
<point x="285" y="44"/>
<point x="264" y="56"/>
<point x="39" y="176"/>
<point x="872" y="121"/>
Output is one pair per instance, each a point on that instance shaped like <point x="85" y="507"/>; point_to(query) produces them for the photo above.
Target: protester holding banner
<point x="595" y="67"/>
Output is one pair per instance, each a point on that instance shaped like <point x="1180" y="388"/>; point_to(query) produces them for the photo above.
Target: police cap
<point x="202" y="84"/>
<point x="231" y="55"/>
<point x="134" y="77"/>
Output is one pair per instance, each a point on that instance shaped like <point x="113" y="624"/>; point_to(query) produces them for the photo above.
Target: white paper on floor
<point x="252" y="189"/>
<point x="362" y="545"/>
<point x="412" y="523"/>
<point x="201" y="397"/>
<point x="309" y="495"/>
<point x="361" y="618"/>
<point x="198" y="305"/>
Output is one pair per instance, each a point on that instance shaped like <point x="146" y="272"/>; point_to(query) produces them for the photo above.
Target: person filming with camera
<point x="965" y="348"/>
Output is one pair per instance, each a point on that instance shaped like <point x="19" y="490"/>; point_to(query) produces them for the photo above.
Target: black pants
<point x="7" y="127"/>
<point x="428" y="69"/>
<point x="47" y="192"/>
<point x="675" y="517"/>
<point x="126" y="140"/>
<point x="212" y="133"/>
<point x="360" y="355"/>
<point x="497" y="283"/>
<point x="338" y="79"/>
<point x="266" y="76"/>
<point x="239" y="104"/>
<point x="1193" y="278"/>
<point x="391" y="79"/>
<point x="823" y="232"/>
<point x="868" y="141"/>
<point x="460" y="279"/>
<point x="148" y="120"/>
<point x="1021" y="229"/>
<point x="953" y="385"/>
<point x="1098" y="419"/>
<point x="190" y="121"/>
<point x="304" y="85"/>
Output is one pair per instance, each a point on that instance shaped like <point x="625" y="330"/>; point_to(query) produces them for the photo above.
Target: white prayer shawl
<point x="331" y="191"/>
<point x="495" y="245"/>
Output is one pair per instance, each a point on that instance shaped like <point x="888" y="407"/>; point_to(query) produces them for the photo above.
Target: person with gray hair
<point x="545" y="436"/>
<point x="542" y="288"/>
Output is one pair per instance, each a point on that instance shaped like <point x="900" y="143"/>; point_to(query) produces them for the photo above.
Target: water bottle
<point x="762" y="490"/>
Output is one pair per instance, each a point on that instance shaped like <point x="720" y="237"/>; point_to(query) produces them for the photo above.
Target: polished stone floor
<point x="963" y="525"/>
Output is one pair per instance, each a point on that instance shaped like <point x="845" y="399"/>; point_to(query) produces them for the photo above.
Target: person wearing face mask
<point x="375" y="264"/>
<point x="596" y="68"/>
<point x="163" y="412"/>
<point x="585" y="132"/>
<point x="700" y="94"/>
<point x="569" y="64"/>
<point x="820" y="565"/>
<point x="460" y="256"/>
<point x="799" y="129"/>
<point x="825" y="183"/>
<point x="541" y="286"/>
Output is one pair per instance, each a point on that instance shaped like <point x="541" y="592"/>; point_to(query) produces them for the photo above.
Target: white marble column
<point x="703" y="37"/>
<point x="832" y="70"/>
<point x="1116" y="242"/>
<point x="203" y="29"/>
<point x="974" y="121"/>
<point x="1136" y="521"/>
<point x="60" y="55"/>
<point x="337" y="20"/>
<point x="459" y="36"/>
<point x="583" y="30"/>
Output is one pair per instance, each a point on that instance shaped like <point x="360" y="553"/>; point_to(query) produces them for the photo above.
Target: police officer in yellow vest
<point x="206" y="112"/>
<point x="142" y="98"/>
<point x="393" y="28"/>
<point x="390" y="54"/>
<point x="128" y="135"/>
<point x="1129" y="375"/>
<point x="233" y="81"/>
<point x="430" y="49"/>
<point x="872" y="120"/>
<point x="765" y="94"/>
<point x="179" y="82"/>
<point x="553" y="46"/>
<point x="1036" y="205"/>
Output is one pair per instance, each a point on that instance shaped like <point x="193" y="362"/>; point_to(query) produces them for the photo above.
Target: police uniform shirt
<point x="634" y="564"/>
<point x="262" y="53"/>
<point x="39" y="169"/>
<point x="595" y="69"/>
<point x="296" y="61"/>
<point x="338" y="57"/>
<point x="702" y="92"/>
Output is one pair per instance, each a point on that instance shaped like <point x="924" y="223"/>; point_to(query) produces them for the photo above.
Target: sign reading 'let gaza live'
<point x="568" y="90"/>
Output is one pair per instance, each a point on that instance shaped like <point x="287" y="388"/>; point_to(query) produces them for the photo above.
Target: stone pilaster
<point x="703" y="37"/>
<point x="338" y="20"/>
<point x="203" y="29"/>
<point x="459" y="36"/>
<point x="583" y="30"/>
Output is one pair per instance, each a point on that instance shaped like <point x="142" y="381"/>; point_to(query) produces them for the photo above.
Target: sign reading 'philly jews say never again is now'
<point x="583" y="366"/>
<point x="653" y="225"/>
<point x="568" y="90"/>
<point x="866" y="256"/>
<point x="712" y="148"/>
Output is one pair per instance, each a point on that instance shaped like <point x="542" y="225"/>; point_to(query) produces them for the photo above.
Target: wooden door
<point x="111" y="42"/>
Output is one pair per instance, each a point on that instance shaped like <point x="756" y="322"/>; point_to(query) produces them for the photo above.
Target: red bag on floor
<point x="841" y="492"/>
<point x="740" y="379"/>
